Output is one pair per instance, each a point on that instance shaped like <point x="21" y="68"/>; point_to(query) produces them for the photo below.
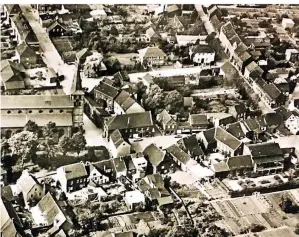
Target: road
<point x="50" y="55"/>
<point x="217" y="91"/>
<point x="205" y="19"/>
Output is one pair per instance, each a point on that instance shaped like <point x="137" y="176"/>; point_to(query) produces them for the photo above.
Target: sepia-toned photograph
<point x="149" y="120"/>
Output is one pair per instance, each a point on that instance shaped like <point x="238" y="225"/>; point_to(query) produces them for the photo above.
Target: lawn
<point x="63" y="44"/>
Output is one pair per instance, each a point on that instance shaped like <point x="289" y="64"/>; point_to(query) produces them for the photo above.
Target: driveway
<point x="93" y="135"/>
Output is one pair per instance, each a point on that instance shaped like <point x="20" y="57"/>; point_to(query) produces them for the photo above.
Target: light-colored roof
<point x="151" y="52"/>
<point x="74" y="171"/>
<point x="26" y="182"/>
<point x="20" y="120"/>
<point x="226" y="138"/>
<point x="35" y="101"/>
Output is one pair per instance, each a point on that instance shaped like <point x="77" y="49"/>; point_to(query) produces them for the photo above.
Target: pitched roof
<point x="117" y="138"/>
<point x="24" y="28"/>
<point x="125" y="121"/>
<point x="122" y="75"/>
<point x="49" y="209"/>
<point x="228" y="68"/>
<point x="151" y="52"/>
<point x="11" y="75"/>
<point x="150" y="32"/>
<point x="272" y="119"/>
<point x="172" y="8"/>
<point x="226" y="138"/>
<point x="265" y="150"/>
<point x="164" y="117"/>
<point x="209" y="134"/>
<point x="35" y="101"/>
<point x="201" y="48"/>
<point x="154" y="154"/>
<point x="54" y="24"/>
<point x="198" y="119"/>
<point x="239" y="162"/>
<point x="23" y="48"/>
<point x="124" y="100"/>
<point x="104" y="165"/>
<point x="272" y="91"/>
<point x="119" y="164"/>
<point x="178" y="153"/>
<point x="191" y="144"/>
<point x="188" y="101"/>
<point x="26" y="182"/>
<point x="74" y="171"/>
<point x="251" y="124"/>
<point x="252" y="66"/>
<point x="240" y="108"/>
<point x="236" y="130"/>
<point x="107" y="90"/>
<point x="220" y="167"/>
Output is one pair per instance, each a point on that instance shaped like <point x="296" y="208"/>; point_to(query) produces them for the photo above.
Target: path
<point x="208" y="25"/>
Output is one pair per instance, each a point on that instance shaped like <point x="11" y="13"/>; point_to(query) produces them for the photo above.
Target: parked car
<point x="138" y="140"/>
<point x="265" y="181"/>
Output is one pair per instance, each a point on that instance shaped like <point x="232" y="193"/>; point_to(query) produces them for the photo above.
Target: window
<point x="61" y="111"/>
<point x="40" y="111"/>
<point x="30" y="111"/>
<point x="40" y="194"/>
<point x="51" y="111"/>
<point x="8" y="111"/>
<point x="20" y="111"/>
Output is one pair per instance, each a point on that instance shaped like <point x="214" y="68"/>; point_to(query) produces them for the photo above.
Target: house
<point x="152" y="56"/>
<point x="57" y="29"/>
<point x="213" y="10"/>
<point x="287" y="23"/>
<point x="12" y="76"/>
<point x="48" y="213"/>
<point x="118" y="146"/>
<point x="3" y="181"/>
<point x="236" y="130"/>
<point x="11" y="224"/>
<point x="134" y="199"/>
<point x="292" y="123"/>
<point x="101" y="172"/>
<point x="238" y="111"/>
<point x="120" y="168"/>
<point x="131" y="125"/>
<point x="202" y="54"/>
<point x="241" y="58"/>
<point x="26" y="55"/>
<point x="178" y="24"/>
<point x="180" y="157"/>
<point x="292" y="55"/>
<point x="121" y="76"/>
<point x="177" y="80"/>
<point x="207" y="138"/>
<point x="140" y="164"/>
<point x="167" y="122"/>
<point x="270" y="94"/>
<point x="267" y="158"/>
<point x="229" y="38"/>
<point x="252" y="67"/>
<point x="184" y="40"/>
<point x="152" y="35"/>
<point x="172" y="11"/>
<point x="216" y="23"/>
<point x="227" y="143"/>
<point x="191" y="146"/>
<point x="220" y="169"/>
<point x="228" y="71"/>
<point x="72" y="177"/>
<point x="198" y="122"/>
<point x="31" y="190"/>
<point x="188" y="103"/>
<point x="16" y="110"/>
<point x="106" y="93"/>
<point x="158" y="161"/>
<point x="239" y="165"/>
<point x="125" y="104"/>
<point x="220" y="119"/>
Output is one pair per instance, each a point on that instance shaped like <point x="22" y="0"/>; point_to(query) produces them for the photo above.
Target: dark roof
<point x="272" y="91"/>
<point x="240" y="49"/>
<point x="154" y="154"/>
<point x="23" y="48"/>
<point x="272" y="119"/>
<point x="103" y="165"/>
<point x="24" y="29"/>
<point x="262" y="150"/>
<point x="7" y="193"/>
<point x="119" y="164"/>
<point x="191" y="144"/>
<point x="107" y="90"/>
<point x="122" y="75"/>
<point x="201" y="48"/>
<point x="236" y="130"/>
<point x="13" y="8"/>
<point x="226" y="138"/>
<point x="216" y="22"/>
<point x="178" y="153"/>
<point x="239" y="162"/>
<point x="11" y="75"/>
<point x="198" y="119"/>
<point x="117" y="138"/>
<point x="220" y="167"/>
<point x="125" y="121"/>
<point x="240" y="108"/>
<point x="124" y="100"/>
<point x="252" y="124"/>
<point x="209" y="134"/>
<point x="284" y="112"/>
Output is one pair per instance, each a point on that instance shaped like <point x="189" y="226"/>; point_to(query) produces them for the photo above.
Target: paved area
<point x="209" y="27"/>
<point x="214" y="92"/>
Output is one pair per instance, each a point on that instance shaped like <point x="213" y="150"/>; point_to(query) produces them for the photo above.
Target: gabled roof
<point x="119" y="164"/>
<point x="125" y="121"/>
<point x="191" y="144"/>
<point x="226" y="138"/>
<point x="251" y="124"/>
<point x="150" y="32"/>
<point x="54" y="24"/>
<point x="220" y="167"/>
<point x="154" y="154"/>
<point x="26" y="182"/>
<point x="172" y="8"/>
<point x="23" y="48"/>
<point x="24" y="28"/>
<point x="198" y="119"/>
<point x="102" y="166"/>
<point x="151" y="52"/>
<point x="122" y="75"/>
<point x="107" y="90"/>
<point x="178" y="153"/>
<point x="13" y="8"/>
<point x="272" y="91"/>
<point x="236" y="130"/>
<point x="164" y="117"/>
<point x="252" y="66"/>
<point x="12" y="73"/>
<point x="117" y="138"/>
<point x="240" y="108"/>
<point x="209" y="134"/>
<point x="201" y="48"/>
<point x="74" y="171"/>
<point x="239" y="162"/>
<point x="265" y="150"/>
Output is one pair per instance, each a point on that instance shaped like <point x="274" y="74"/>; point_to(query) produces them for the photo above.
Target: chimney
<point x="48" y="99"/>
<point x="128" y="123"/>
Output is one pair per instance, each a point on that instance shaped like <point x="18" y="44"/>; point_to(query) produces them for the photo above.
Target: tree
<point x="264" y="24"/>
<point x="154" y="99"/>
<point x="31" y="126"/>
<point x="49" y="130"/>
<point x="23" y="144"/>
<point x="78" y="142"/>
<point x="224" y="12"/>
<point x="113" y="30"/>
<point x="173" y="101"/>
<point x="140" y="90"/>
<point x="65" y="144"/>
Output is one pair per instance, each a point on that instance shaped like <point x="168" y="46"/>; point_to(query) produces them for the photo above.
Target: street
<point x="214" y="92"/>
<point x="209" y="27"/>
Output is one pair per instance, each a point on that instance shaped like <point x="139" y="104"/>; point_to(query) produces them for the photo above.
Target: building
<point x="184" y="40"/>
<point x="239" y="165"/>
<point x="120" y="168"/>
<point x="152" y="56"/>
<point x="236" y="130"/>
<point x="180" y="157"/>
<point x="31" y="190"/>
<point x="57" y="29"/>
<point x="227" y="143"/>
<point x="134" y="199"/>
<point x="26" y="55"/>
<point x="198" y="122"/>
<point x="238" y="111"/>
<point x="130" y="125"/>
<point x="202" y="54"/>
<point x="251" y="68"/>
<point x="207" y="138"/>
<point x="100" y="172"/>
<point x="107" y="93"/>
<point x="191" y="146"/>
<point x="125" y="104"/>
<point x="12" y="76"/>
<point x="118" y="146"/>
<point x="172" y="10"/>
<point x="267" y="158"/>
<point x="167" y="122"/>
<point x="158" y="161"/>
<point x="152" y="35"/>
<point x="292" y="55"/>
<point x="72" y="177"/>
<point x="287" y="23"/>
<point x="177" y="23"/>
<point x="292" y="123"/>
